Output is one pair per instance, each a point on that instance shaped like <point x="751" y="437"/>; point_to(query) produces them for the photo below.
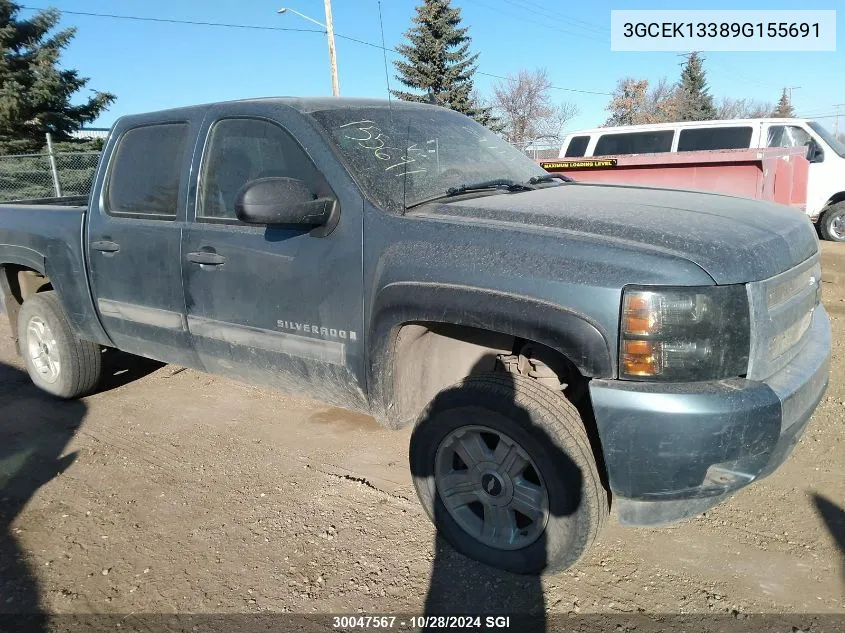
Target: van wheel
<point x="57" y="360"/>
<point x="832" y="223"/>
<point x="504" y="469"/>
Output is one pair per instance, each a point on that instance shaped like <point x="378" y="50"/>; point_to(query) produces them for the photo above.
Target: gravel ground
<point x="172" y="491"/>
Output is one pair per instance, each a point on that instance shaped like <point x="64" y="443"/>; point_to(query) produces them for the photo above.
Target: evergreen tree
<point x="35" y="92"/>
<point x="694" y="102"/>
<point x="438" y="62"/>
<point x="784" y="107"/>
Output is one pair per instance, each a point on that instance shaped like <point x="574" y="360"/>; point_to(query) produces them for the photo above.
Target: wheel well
<point x="17" y="284"/>
<point x="428" y="357"/>
<point x="834" y="199"/>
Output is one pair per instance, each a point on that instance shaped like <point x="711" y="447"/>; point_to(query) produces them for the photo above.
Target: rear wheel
<point x="57" y="360"/>
<point x="503" y="467"/>
<point x="832" y="223"/>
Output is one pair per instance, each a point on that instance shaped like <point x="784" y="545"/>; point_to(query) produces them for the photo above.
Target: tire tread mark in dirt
<point x="363" y="481"/>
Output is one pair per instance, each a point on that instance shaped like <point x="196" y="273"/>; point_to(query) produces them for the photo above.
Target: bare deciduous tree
<point x="634" y="103"/>
<point x="526" y="110"/>
<point x="730" y="108"/>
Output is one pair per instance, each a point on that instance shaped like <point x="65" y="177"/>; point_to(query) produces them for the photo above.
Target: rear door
<point x="274" y="305"/>
<point x="134" y="232"/>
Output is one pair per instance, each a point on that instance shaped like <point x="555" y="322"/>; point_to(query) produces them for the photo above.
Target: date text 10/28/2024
<point x="383" y="622"/>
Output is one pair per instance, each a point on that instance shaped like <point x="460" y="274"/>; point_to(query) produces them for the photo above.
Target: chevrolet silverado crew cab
<point x="560" y="347"/>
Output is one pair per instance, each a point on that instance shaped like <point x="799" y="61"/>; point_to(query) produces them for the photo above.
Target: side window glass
<point x="788" y="136"/>
<point x="634" y="143"/>
<point x="241" y="150"/>
<point x="577" y="146"/>
<point x="710" y="138"/>
<point x="775" y="136"/>
<point x="145" y="172"/>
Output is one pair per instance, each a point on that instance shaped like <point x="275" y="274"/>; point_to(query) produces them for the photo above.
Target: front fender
<point x="572" y="334"/>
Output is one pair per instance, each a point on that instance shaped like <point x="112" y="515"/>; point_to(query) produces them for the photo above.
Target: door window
<point x="144" y="176"/>
<point x="788" y="136"/>
<point x="241" y="150"/>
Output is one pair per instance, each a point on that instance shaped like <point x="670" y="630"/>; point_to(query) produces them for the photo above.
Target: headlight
<point x="684" y="334"/>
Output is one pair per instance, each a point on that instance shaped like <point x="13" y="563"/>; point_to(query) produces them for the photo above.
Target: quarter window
<point x="634" y="143"/>
<point x="145" y="172"/>
<point x="709" y="138"/>
<point x="241" y="150"/>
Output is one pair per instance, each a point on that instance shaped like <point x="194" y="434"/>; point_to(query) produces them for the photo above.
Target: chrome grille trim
<point x="780" y="307"/>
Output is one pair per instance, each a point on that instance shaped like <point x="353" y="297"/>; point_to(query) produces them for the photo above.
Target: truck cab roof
<point x="302" y="104"/>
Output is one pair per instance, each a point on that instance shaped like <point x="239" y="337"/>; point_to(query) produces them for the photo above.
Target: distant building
<point x="91" y="133"/>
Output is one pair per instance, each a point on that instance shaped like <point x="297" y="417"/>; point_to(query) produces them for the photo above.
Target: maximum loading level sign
<point x="605" y="163"/>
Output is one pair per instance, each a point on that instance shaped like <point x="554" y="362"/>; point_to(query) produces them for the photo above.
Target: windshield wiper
<point x="497" y="183"/>
<point x="535" y="180"/>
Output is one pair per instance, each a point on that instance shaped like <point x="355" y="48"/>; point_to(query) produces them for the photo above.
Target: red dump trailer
<point x="774" y="174"/>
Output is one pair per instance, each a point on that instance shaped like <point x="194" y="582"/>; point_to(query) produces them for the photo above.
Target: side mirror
<point x="287" y="201"/>
<point x="815" y="154"/>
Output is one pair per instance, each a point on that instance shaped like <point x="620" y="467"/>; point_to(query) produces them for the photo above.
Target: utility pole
<point x="329" y="26"/>
<point x="837" y="106"/>
<point x="332" y="54"/>
<point x="790" y="89"/>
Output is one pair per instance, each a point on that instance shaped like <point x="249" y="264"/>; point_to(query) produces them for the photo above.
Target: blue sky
<point x="156" y="65"/>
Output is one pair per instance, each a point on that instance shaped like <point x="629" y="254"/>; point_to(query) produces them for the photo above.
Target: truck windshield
<point x="835" y="144"/>
<point x="406" y="154"/>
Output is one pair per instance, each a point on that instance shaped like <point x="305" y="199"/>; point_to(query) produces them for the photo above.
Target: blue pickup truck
<point x="561" y="348"/>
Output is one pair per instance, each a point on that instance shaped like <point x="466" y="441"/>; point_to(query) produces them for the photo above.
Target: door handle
<point x="205" y="258"/>
<point x="105" y="246"/>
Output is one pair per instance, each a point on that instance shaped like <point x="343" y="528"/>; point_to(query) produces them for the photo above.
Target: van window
<point x="788" y="136"/>
<point x="145" y="171"/>
<point x="634" y="143"/>
<point x="577" y="146"/>
<point x="707" y="138"/>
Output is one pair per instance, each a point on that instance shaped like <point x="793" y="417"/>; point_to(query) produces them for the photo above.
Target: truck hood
<point x="735" y="240"/>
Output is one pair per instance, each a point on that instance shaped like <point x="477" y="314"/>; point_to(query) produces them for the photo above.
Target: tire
<point x="548" y="431"/>
<point x="832" y="223"/>
<point x="68" y="367"/>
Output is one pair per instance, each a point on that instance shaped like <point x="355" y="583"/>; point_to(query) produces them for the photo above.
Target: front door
<point x="133" y="241"/>
<point x="274" y="305"/>
<point x="780" y="135"/>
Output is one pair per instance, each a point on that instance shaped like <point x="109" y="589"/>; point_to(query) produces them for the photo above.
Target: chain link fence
<point x="25" y="176"/>
<point x="539" y="150"/>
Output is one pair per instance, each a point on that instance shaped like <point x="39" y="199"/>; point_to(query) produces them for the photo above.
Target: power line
<point x="276" y="28"/>
<point x="586" y="92"/>
<point x="732" y="71"/>
<point x="823" y="110"/>
<point x="174" y="21"/>
<point x="537" y="9"/>
<point x="557" y="29"/>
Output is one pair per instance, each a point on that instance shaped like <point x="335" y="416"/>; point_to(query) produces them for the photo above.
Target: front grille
<point x="781" y="311"/>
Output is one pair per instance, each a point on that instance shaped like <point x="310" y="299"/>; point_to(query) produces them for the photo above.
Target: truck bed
<point x="47" y="238"/>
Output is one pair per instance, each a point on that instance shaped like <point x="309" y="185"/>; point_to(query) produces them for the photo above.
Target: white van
<point x="826" y="182"/>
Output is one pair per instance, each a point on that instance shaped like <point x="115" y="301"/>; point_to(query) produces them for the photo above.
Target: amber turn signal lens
<point x="641" y="358"/>
<point x="638" y="314"/>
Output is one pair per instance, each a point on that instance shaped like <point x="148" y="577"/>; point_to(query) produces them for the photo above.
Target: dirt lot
<point x="174" y="491"/>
